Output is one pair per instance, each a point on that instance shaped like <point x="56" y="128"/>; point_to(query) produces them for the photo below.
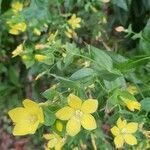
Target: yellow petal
<point x="131" y="127"/>
<point x="130" y="139"/>
<point x="30" y="104"/>
<point x="33" y="127"/>
<point x="17" y="6"/>
<point x="24" y="128"/>
<point x="119" y="141"/>
<point x="121" y="123"/>
<point x="68" y="34"/>
<point x="14" y="31"/>
<point x="131" y="104"/>
<point x="20" y="129"/>
<point x="40" y="115"/>
<point x="132" y="89"/>
<point x="58" y="145"/>
<point x="49" y="136"/>
<point x="88" y="122"/>
<point x="78" y="20"/>
<point x="18" y="114"/>
<point x="52" y="143"/>
<point x="65" y="113"/>
<point x="115" y="130"/>
<point x="34" y="108"/>
<point x="73" y="126"/>
<point x="74" y="101"/>
<point x="40" y="57"/>
<point x="89" y="106"/>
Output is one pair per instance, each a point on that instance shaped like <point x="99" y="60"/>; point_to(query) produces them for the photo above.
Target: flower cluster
<point x="16" y="28"/>
<point x="28" y="118"/>
<point x="74" y="23"/>
<point x="54" y="141"/>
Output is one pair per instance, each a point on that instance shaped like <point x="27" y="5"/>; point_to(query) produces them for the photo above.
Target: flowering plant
<point x="85" y="68"/>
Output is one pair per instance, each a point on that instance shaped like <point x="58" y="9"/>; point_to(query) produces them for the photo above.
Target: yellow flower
<point x="55" y="141"/>
<point x="147" y="134"/>
<point x="74" y="21"/>
<point x="78" y="113"/>
<point x="123" y="133"/>
<point x="41" y="46"/>
<point x="27" y="118"/>
<point x="132" y="89"/>
<point x="14" y="31"/>
<point x="71" y="33"/>
<point x="40" y="57"/>
<point x="132" y="104"/>
<point x="17" y="28"/>
<point x="52" y="37"/>
<point x="18" y="50"/>
<point x="37" y="31"/>
<point x="17" y="6"/>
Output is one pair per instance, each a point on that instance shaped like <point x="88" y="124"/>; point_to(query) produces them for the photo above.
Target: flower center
<point x="32" y="119"/>
<point x="54" y="141"/>
<point x="78" y="113"/>
<point x="123" y="131"/>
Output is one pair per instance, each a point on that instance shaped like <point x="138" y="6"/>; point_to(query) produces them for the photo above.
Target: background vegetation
<point x="96" y="59"/>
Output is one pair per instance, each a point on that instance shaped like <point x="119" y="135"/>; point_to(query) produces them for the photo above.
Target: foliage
<point x="86" y="66"/>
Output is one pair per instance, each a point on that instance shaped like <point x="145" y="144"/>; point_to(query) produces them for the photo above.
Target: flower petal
<point x="73" y="126"/>
<point x="74" y="101"/>
<point x="88" y="122"/>
<point x="119" y="141"/>
<point x="121" y="123"/>
<point x="30" y="104"/>
<point x="18" y="114"/>
<point x="52" y="143"/>
<point x="115" y="130"/>
<point x="24" y="128"/>
<point x="130" y="139"/>
<point x="40" y="115"/>
<point x="49" y="136"/>
<point x="58" y="145"/>
<point x="34" y="108"/>
<point x="131" y="127"/>
<point x="89" y="106"/>
<point x="65" y="113"/>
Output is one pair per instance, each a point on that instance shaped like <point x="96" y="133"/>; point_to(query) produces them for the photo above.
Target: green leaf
<point x="117" y="83"/>
<point x="29" y="62"/>
<point x="109" y="75"/>
<point x="113" y="100"/>
<point x="49" y="94"/>
<point x="82" y="74"/>
<point x="121" y="3"/>
<point x="146" y="31"/>
<point x="13" y="75"/>
<point x="49" y="117"/>
<point x="49" y="59"/>
<point x="144" y="46"/>
<point x="66" y="82"/>
<point x="101" y="58"/>
<point x="71" y="51"/>
<point x="126" y="95"/>
<point x="132" y="63"/>
<point x="146" y="104"/>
